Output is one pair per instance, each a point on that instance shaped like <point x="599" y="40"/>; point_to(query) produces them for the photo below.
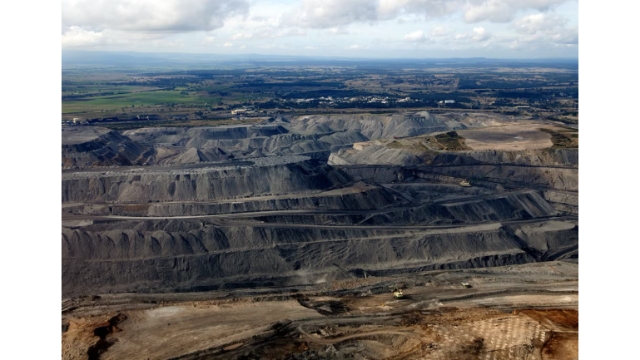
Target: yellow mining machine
<point x="397" y="293"/>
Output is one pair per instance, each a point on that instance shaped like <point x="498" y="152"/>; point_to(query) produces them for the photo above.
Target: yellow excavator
<point x="465" y="183"/>
<point x="397" y="293"/>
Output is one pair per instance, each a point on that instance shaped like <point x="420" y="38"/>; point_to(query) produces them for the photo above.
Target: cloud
<point x="416" y="36"/>
<point x="332" y="13"/>
<point x="241" y="36"/>
<point x="480" y="34"/>
<point x="208" y="39"/>
<point x="150" y="15"/>
<point x="291" y="32"/>
<point x="389" y="9"/>
<point x="322" y="14"/>
<point x="501" y="11"/>
<point x="544" y="28"/>
<point x="338" y="31"/>
<point x="540" y="23"/>
<point x="570" y="37"/>
<point x="260" y="27"/>
<point x="77" y="37"/>
<point x="439" y="31"/>
<point x="439" y="36"/>
<point x="379" y="25"/>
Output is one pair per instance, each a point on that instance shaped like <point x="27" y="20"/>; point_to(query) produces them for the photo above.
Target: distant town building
<point x="242" y="111"/>
<point x="180" y="117"/>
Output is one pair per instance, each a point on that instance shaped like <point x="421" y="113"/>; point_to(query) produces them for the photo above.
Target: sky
<point x="345" y="28"/>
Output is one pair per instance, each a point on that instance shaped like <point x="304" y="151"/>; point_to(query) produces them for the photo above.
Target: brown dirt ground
<point x="441" y="333"/>
<point x="561" y="346"/>
<point x="565" y="319"/>
<point x="563" y="138"/>
<point x="507" y="136"/>
<point x="80" y="336"/>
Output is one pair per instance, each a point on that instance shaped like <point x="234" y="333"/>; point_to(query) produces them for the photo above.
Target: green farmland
<point x="146" y="98"/>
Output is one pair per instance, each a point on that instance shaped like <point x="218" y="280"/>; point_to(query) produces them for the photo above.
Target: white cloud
<point x="260" y="27"/>
<point x="439" y="31"/>
<point x="480" y="34"/>
<point x="540" y="23"/>
<point x="332" y="13"/>
<point x="291" y="32"/>
<point x="384" y="27"/>
<point x="76" y="36"/>
<point x="544" y="28"/>
<point x="338" y="31"/>
<point x="389" y="9"/>
<point x="241" y="36"/>
<point x="501" y="11"/>
<point x="321" y="14"/>
<point x="150" y="15"/>
<point x="415" y="36"/>
<point x="531" y="24"/>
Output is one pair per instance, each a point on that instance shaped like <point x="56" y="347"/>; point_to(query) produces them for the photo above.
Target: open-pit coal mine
<point x="307" y="223"/>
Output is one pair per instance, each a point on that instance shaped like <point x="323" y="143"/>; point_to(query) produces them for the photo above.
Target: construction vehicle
<point x="466" y="285"/>
<point x="397" y="293"/>
<point x="465" y="183"/>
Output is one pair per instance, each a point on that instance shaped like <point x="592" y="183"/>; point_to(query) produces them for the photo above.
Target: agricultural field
<point x="212" y="94"/>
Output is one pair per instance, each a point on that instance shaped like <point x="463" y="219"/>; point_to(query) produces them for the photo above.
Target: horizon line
<point x="334" y="57"/>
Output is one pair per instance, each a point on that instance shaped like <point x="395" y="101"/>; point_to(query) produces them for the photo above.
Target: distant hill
<point x="77" y="58"/>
